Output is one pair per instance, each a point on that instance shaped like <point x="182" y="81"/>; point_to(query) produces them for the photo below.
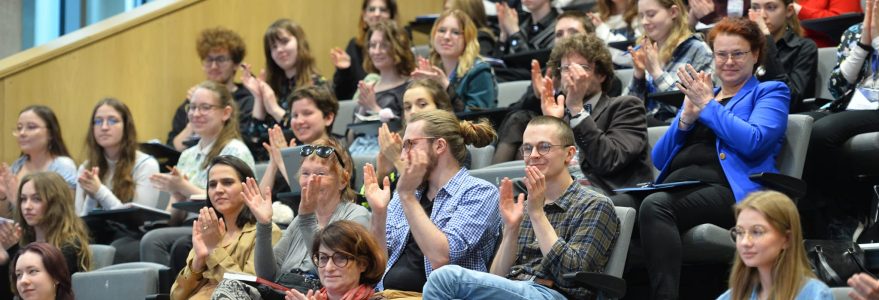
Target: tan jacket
<point x="233" y="257"/>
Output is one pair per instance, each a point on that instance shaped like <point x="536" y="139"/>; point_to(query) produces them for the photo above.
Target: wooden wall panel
<point x="150" y="63"/>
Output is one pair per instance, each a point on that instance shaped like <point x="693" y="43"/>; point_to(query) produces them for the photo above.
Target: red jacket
<point x="813" y="9"/>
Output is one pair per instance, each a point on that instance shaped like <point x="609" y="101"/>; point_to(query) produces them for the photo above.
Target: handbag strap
<point x="825" y="267"/>
<point x="852" y="254"/>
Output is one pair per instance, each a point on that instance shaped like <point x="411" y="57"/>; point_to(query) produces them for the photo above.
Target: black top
<point x="407" y="274"/>
<point x="532" y="35"/>
<point x="345" y="80"/>
<point x="241" y="95"/>
<point x="698" y="158"/>
<point x="794" y="61"/>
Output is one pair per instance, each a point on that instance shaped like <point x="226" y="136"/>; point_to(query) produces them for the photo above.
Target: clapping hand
<point x="90" y="181"/>
<point x="535" y="182"/>
<point x="550" y="105"/>
<point x="340" y="59"/>
<point x="512" y="211"/>
<point x="426" y="70"/>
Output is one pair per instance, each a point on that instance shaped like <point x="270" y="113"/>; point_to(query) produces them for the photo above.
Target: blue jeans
<point x="455" y="282"/>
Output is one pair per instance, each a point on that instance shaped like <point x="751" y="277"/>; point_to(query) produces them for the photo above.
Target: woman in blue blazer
<point x="719" y="137"/>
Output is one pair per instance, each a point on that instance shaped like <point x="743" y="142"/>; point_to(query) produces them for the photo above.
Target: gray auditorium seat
<point x="480" y="157"/>
<point x="611" y="284"/>
<point x="344" y="117"/>
<point x="102" y="256"/>
<point x="511" y="91"/>
<point x="136" y="280"/>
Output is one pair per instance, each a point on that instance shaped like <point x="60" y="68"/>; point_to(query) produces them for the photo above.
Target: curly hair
<point x="399" y="51"/>
<point x="221" y="38"/>
<point x="589" y="47"/>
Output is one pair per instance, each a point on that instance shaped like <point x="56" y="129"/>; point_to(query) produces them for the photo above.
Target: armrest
<point x="791" y="186"/>
<point x="610" y="286"/>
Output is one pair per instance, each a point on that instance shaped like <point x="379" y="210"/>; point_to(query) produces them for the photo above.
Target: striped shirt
<point x="587" y="227"/>
<point x="465" y="210"/>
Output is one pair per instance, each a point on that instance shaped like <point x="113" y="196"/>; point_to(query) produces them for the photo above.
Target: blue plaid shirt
<point x="465" y="210"/>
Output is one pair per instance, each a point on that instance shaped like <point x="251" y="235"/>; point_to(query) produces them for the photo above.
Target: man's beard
<point x="431" y="165"/>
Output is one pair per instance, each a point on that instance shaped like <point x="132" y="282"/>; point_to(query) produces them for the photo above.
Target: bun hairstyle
<point x="457" y="133"/>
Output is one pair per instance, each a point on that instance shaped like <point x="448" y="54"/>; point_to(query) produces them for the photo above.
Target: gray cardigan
<point x="293" y="251"/>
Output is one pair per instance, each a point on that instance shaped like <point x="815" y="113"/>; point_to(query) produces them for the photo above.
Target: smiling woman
<point x="42" y="149"/>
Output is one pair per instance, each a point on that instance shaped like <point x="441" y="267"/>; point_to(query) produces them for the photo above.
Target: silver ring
<point x="204" y="228"/>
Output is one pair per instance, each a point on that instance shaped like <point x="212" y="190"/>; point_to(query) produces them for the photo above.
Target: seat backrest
<point x="135" y="283"/>
<point x="102" y="256"/>
<point x="826" y="63"/>
<point x="359" y="162"/>
<point x="480" y="157"/>
<point x="653" y="135"/>
<point x="625" y="76"/>
<point x="259" y="169"/>
<point x="790" y="160"/>
<point x="511" y="91"/>
<point x="164" y="197"/>
<point x="792" y="157"/>
<point x="617" y="261"/>
<point x="344" y="117"/>
<point x="494" y="174"/>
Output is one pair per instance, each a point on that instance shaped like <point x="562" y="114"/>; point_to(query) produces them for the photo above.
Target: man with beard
<point x="221" y="51"/>
<point x="439" y="215"/>
<point x="564" y="228"/>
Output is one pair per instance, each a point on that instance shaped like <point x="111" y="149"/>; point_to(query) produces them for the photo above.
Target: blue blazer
<point x="750" y="131"/>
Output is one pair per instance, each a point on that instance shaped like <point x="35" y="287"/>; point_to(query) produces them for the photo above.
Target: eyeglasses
<point x="542" y="148"/>
<point x="408" y="143"/>
<point x="739" y="233"/>
<point x="98" y="122"/>
<point x="567" y="68"/>
<point x="25" y="128"/>
<point x="322" y="151"/>
<point x="379" y="9"/>
<point x="339" y="259"/>
<point x="193" y="108"/>
<point x="735" y="55"/>
<point x="220" y="60"/>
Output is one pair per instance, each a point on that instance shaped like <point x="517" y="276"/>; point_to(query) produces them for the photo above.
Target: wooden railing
<point x="147" y="59"/>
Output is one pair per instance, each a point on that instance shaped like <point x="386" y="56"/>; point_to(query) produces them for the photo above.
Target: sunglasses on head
<point x="322" y="151"/>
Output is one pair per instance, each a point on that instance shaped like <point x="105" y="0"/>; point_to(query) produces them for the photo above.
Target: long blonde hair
<point x="679" y="32"/>
<point x="791" y="268"/>
<point x="471" y="45"/>
<point x="63" y="226"/>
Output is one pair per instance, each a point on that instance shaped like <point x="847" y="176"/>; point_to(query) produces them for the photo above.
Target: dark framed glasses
<point x="542" y="148"/>
<point x="339" y="259"/>
<point x="322" y="151"/>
